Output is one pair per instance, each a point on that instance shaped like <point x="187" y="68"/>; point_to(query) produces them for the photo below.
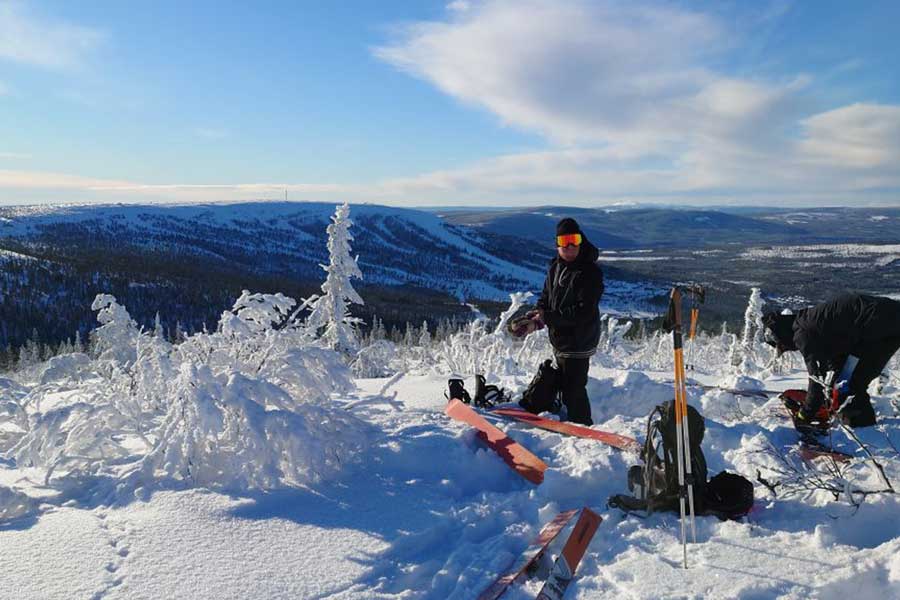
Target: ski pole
<point x="695" y="313"/>
<point x="687" y="437"/>
<point x="674" y="319"/>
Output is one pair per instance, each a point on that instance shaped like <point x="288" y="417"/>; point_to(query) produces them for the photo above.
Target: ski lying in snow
<point x="530" y="558"/>
<point x="515" y="455"/>
<point x="811" y="448"/>
<point x="564" y="568"/>
<point x="734" y="391"/>
<point x="612" y="439"/>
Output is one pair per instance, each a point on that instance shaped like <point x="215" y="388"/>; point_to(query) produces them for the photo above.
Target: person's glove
<point x="537" y="316"/>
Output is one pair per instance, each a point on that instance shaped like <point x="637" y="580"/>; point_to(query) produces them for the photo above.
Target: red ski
<point x="613" y="439"/>
<point x="564" y="568"/>
<point x="516" y="456"/>
<point x="530" y="557"/>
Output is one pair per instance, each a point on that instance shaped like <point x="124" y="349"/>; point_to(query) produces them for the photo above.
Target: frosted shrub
<point x="218" y="433"/>
<point x="78" y="439"/>
<point x="261" y="337"/>
<point x="615" y="333"/>
<point x="495" y="353"/>
<point x="245" y="407"/>
<point x="13" y="418"/>
<point x="375" y="360"/>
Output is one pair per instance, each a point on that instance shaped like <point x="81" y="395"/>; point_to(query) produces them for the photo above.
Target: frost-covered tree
<point x="330" y="311"/>
<point x="746" y="356"/>
<point x="425" y="336"/>
<point x="116" y="338"/>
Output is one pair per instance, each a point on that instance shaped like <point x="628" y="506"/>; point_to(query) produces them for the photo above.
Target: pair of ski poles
<point x="682" y="429"/>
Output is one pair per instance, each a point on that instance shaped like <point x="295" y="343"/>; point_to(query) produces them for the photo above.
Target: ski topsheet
<point x="530" y="557"/>
<point x="564" y="568"/>
<point x="516" y="456"/>
<point x="613" y="439"/>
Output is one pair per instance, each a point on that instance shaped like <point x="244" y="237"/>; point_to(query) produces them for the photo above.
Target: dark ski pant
<point x="573" y="377"/>
<point x="872" y="362"/>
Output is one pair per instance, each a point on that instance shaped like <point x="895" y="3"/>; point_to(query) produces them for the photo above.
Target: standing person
<point x="867" y="327"/>
<point x="568" y="306"/>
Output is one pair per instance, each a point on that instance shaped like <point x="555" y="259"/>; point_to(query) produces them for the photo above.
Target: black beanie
<point x="567" y="226"/>
<point x="782" y="328"/>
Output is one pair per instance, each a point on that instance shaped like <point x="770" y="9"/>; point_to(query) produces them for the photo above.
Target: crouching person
<point x="866" y="327"/>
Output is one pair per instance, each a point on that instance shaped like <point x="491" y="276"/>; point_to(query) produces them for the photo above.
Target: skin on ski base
<point x="564" y="568"/>
<point x="531" y="555"/>
<point x="613" y="439"/>
<point x="515" y="455"/>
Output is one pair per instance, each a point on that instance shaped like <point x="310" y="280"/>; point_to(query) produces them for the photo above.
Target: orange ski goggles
<point x="571" y="239"/>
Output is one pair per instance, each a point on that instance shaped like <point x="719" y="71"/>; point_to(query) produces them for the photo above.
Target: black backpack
<point x="655" y="483"/>
<point x="542" y="393"/>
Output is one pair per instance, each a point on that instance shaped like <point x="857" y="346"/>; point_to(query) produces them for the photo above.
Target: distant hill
<point x="397" y="247"/>
<point x="625" y="228"/>
<point x="189" y="262"/>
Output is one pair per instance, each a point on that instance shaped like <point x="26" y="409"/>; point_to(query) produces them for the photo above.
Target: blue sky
<point x="502" y="102"/>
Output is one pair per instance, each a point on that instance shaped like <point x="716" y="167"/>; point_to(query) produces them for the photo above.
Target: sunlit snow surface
<point x="430" y="513"/>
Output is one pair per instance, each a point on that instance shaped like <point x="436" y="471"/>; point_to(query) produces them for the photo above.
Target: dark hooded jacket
<point x="826" y="333"/>
<point x="570" y="299"/>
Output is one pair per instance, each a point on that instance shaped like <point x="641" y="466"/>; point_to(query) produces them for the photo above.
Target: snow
<point x="823" y="251"/>
<point x="430" y="513"/>
<point x="248" y="462"/>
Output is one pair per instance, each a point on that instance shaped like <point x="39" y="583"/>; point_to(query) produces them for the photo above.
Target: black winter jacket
<point x="569" y="300"/>
<point x="848" y="324"/>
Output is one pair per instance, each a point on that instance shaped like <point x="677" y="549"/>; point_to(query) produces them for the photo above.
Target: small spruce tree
<point x="330" y="311"/>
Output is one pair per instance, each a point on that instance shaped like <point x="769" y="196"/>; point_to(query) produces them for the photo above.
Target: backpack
<point x="660" y="470"/>
<point x="542" y="394"/>
<point x="655" y="483"/>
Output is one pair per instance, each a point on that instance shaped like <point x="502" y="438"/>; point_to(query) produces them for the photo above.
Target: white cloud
<point x="647" y="83"/>
<point x="865" y="136"/>
<point x="574" y="71"/>
<point x="459" y="5"/>
<point x="29" y="38"/>
<point x="635" y="101"/>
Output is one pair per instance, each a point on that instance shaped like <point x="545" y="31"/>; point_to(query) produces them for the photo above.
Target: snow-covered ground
<point x="428" y="512"/>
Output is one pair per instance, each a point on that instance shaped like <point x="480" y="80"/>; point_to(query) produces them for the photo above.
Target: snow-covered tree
<point x="330" y="311"/>
<point x="752" y="336"/>
<point x="116" y="338"/>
